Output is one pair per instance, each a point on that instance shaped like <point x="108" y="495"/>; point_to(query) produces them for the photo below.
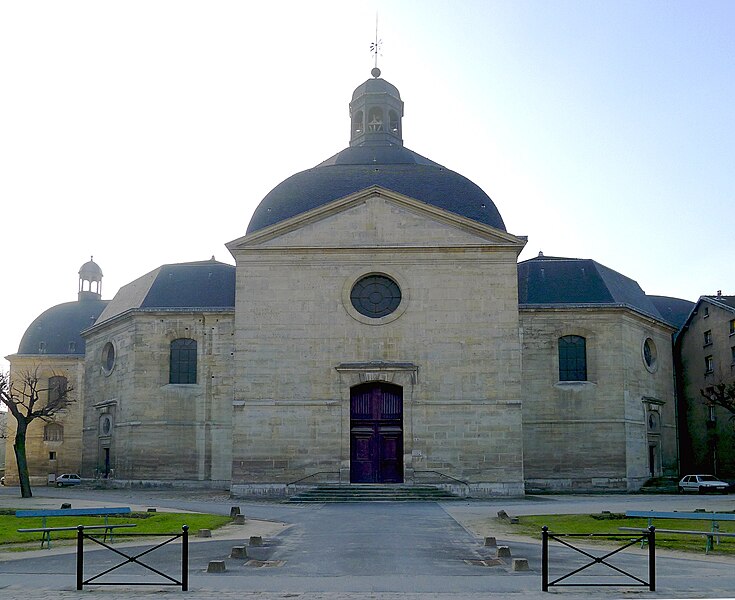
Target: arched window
<point x="357" y="126"/>
<point x="183" y="368"/>
<point x="375" y="120"/>
<point x="394" y="122"/>
<point x="572" y="358"/>
<point x="53" y="432"/>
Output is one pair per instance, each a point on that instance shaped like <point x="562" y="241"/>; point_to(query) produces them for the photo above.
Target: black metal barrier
<point x="129" y="558"/>
<point x="647" y="535"/>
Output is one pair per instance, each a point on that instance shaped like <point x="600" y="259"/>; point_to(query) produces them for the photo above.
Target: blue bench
<point x="74" y="512"/>
<point x="712" y="535"/>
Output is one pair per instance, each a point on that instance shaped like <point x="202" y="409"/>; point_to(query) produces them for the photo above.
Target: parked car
<point x="702" y="484"/>
<point x="68" y="479"/>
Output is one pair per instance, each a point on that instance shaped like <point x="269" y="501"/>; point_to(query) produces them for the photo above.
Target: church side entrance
<point x="376" y="433"/>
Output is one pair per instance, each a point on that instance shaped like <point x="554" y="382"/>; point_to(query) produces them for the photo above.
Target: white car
<point x="68" y="479"/>
<point x="702" y="484"/>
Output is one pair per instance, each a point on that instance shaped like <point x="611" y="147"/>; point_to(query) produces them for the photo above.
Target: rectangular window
<point x="706" y="312"/>
<point x="57" y="386"/>
<point x="708" y="337"/>
<point x="52" y="455"/>
<point x="732" y="326"/>
<point x="709" y="364"/>
<point x="732" y="354"/>
<point x="183" y="361"/>
<point x="572" y="358"/>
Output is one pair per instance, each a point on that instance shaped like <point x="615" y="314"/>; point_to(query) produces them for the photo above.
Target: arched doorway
<point x="376" y="433"/>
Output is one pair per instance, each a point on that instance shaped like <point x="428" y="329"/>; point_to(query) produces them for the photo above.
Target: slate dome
<point x="57" y="330"/>
<point x="376" y="85"/>
<point x="376" y="157"/>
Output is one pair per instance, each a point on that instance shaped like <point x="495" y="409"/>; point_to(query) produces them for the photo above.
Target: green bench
<point x="712" y="536"/>
<point x="74" y="512"/>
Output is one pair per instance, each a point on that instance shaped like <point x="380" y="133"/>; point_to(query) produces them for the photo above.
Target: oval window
<point x="108" y="357"/>
<point x="650" y="354"/>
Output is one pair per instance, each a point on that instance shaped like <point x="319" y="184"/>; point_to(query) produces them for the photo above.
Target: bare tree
<point x="24" y="395"/>
<point x="721" y="394"/>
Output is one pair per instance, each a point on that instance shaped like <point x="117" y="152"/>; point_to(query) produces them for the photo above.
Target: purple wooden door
<point x="376" y="433"/>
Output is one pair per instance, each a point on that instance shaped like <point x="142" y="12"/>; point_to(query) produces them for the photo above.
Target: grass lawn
<point x="158" y="522"/>
<point x="609" y="523"/>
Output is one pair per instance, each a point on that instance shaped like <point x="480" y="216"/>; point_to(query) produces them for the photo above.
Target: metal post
<point x="544" y="559"/>
<point x="80" y="557"/>
<point x="652" y="558"/>
<point x="185" y="558"/>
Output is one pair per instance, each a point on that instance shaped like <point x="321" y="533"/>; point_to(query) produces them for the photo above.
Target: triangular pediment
<point x="377" y="217"/>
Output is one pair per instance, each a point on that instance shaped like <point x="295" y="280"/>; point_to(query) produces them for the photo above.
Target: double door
<point x="376" y="433"/>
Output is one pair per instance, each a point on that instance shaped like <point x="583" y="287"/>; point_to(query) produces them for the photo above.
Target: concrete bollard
<point x="239" y="520"/>
<point x="503" y="552"/>
<point x="256" y="540"/>
<point x="491" y="542"/>
<point x="520" y="564"/>
<point x="216" y="566"/>
<point x="204" y="533"/>
<point x="239" y="552"/>
<point x="234" y="511"/>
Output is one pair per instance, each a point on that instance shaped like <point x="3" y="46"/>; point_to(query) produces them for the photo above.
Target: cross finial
<point x="375" y="48"/>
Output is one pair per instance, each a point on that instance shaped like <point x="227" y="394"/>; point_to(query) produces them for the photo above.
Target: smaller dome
<point x="57" y="330"/>
<point x="90" y="271"/>
<point x="375" y="86"/>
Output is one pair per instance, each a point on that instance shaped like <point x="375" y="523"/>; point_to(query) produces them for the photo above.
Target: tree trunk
<point x="20" y="458"/>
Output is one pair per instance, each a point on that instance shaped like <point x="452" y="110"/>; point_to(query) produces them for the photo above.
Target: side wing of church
<point x="376" y="328"/>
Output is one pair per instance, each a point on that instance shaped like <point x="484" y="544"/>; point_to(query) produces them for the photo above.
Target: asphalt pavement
<point x="360" y="551"/>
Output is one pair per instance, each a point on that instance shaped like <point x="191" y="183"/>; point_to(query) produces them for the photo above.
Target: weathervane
<point x="375" y="48"/>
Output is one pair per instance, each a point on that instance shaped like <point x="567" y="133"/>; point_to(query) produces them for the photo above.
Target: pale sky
<point x="147" y="132"/>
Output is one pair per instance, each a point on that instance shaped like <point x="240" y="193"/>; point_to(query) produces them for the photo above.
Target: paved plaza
<point x="360" y="551"/>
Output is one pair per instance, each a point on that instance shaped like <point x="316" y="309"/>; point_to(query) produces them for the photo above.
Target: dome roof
<point x="389" y="166"/>
<point x="57" y="330"/>
<point x="90" y="271"/>
<point x="376" y="157"/>
<point x="375" y="86"/>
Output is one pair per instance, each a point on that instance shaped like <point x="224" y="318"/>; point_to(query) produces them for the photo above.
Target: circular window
<point x="108" y="357"/>
<point x="650" y="355"/>
<point x="375" y="296"/>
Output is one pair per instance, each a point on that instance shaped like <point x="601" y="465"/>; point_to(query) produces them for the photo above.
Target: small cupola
<point x="376" y="112"/>
<point x="90" y="273"/>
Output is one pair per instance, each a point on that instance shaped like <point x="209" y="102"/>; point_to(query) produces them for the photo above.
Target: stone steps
<point x="366" y="492"/>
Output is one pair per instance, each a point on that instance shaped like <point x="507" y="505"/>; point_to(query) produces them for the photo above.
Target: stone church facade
<point x="376" y="327"/>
